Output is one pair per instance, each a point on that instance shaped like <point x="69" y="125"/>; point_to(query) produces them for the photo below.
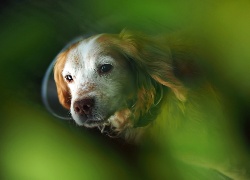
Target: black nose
<point x="84" y="106"/>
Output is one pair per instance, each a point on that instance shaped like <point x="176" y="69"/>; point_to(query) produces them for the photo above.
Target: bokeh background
<point x="36" y="145"/>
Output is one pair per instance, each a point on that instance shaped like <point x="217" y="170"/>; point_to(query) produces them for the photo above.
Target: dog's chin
<point x="90" y="122"/>
<point x="117" y="119"/>
<point x="94" y="123"/>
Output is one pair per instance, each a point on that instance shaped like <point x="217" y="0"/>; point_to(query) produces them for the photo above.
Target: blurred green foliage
<point x="34" y="145"/>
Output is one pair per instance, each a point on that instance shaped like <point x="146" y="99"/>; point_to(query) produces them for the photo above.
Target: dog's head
<point x="115" y="79"/>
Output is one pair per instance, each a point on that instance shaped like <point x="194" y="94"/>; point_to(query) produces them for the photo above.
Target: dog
<point x="137" y="86"/>
<point x="100" y="82"/>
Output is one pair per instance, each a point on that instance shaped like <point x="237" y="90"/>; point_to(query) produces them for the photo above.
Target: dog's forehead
<point x="83" y="50"/>
<point x="89" y="49"/>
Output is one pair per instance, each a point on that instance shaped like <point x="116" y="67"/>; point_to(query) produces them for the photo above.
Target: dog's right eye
<point x="105" y="68"/>
<point x="69" y="78"/>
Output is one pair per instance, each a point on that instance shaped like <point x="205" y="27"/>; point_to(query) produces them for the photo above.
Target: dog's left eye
<point x="69" y="78"/>
<point x="105" y="68"/>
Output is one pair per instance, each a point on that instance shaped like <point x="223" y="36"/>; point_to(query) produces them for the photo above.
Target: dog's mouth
<point x="112" y="124"/>
<point x="95" y="123"/>
<point x="91" y="122"/>
<point x="105" y="126"/>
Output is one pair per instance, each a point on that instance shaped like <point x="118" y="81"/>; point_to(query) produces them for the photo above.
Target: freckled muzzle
<point x="86" y="112"/>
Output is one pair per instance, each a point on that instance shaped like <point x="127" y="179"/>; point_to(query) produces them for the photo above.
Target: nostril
<point x="77" y="109"/>
<point x="86" y="107"/>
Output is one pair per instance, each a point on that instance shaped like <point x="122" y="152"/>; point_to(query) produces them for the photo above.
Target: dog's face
<point x="113" y="79"/>
<point x="99" y="80"/>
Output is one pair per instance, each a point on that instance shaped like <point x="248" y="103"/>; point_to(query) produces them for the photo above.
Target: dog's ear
<point x="153" y="56"/>
<point x="62" y="88"/>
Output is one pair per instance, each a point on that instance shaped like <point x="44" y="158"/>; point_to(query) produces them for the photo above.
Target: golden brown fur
<point x="156" y="62"/>
<point x="172" y="101"/>
<point x="62" y="87"/>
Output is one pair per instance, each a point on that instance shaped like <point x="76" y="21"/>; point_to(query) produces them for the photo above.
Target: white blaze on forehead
<point x="81" y="56"/>
<point x="89" y="47"/>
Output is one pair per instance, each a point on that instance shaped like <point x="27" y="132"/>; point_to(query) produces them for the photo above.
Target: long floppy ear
<point x="153" y="56"/>
<point x="62" y="88"/>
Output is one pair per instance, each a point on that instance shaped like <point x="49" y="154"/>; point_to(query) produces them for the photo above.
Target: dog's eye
<point x="105" y="68"/>
<point x="69" y="78"/>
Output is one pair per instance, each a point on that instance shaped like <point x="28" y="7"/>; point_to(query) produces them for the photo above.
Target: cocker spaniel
<point x="118" y="81"/>
<point x="136" y="86"/>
